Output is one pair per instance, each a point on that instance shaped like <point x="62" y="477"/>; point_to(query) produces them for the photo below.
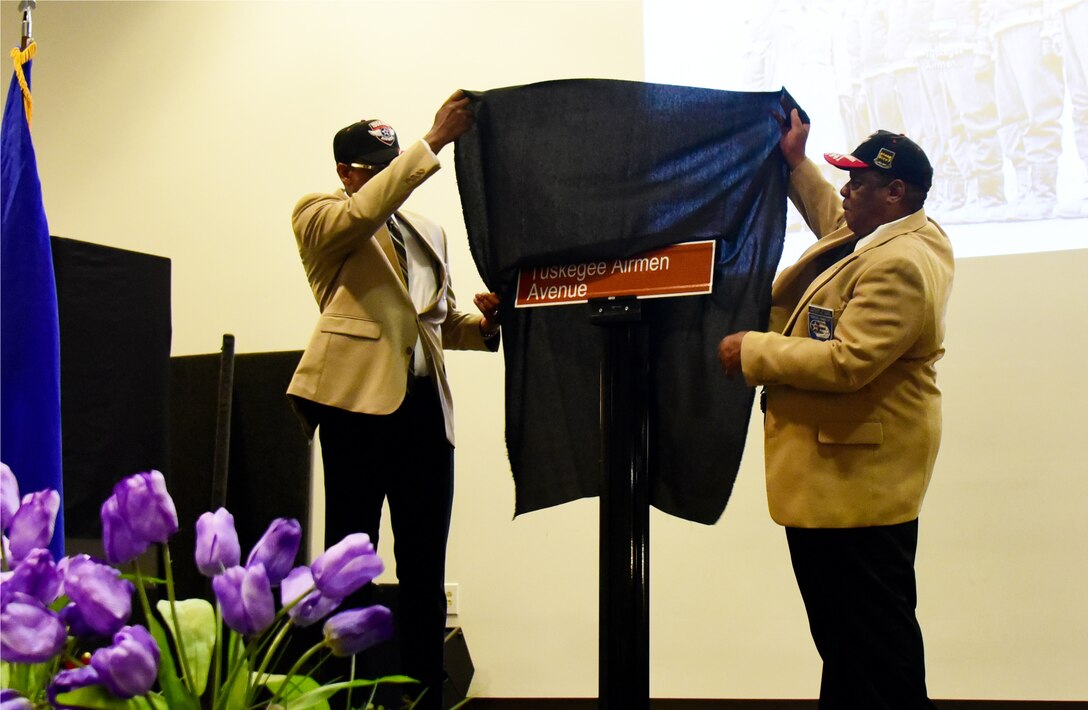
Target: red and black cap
<point x="891" y="153"/>
<point x="371" y="142"/>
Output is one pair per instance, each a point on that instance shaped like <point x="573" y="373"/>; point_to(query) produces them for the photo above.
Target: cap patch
<point x="382" y="131"/>
<point x="884" y="158"/>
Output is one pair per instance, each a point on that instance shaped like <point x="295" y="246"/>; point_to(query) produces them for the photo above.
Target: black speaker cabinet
<point x="459" y="668"/>
<point x="384" y="659"/>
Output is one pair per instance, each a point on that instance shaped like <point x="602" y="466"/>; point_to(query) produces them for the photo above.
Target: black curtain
<point x="269" y="466"/>
<point x="114" y="310"/>
<point x="570" y="171"/>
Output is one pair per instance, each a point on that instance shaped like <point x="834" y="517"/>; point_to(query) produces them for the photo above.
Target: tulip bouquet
<point x="67" y="639"/>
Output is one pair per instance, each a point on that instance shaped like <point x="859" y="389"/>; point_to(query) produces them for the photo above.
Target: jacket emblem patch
<point x="821" y="323"/>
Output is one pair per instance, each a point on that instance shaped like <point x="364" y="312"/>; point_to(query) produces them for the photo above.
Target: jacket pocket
<point x="350" y="325"/>
<point x="851" y="433"/>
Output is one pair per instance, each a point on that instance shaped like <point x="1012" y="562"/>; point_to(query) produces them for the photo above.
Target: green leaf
<point x="232" y="695"/>
<point x="149" y="581"/>
<point x="292" y="687"/>
<point x="322" y="693"/>
<point x="156" y="702"/>
<point x="175" y="692"/>
<point x="98" y="698"/>
<point x="59" y="603"/>
<point x="196" y="617"/>
<point x="41" y="674"/>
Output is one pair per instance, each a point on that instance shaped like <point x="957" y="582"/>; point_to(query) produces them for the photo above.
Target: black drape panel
<point x="269" y="466"/>
<point x="570" y="171"/>
<point x="114" y="309"/>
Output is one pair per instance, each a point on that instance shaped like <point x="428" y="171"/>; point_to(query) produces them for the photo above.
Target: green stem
<point x="179" y="638"/>
<point x="141" y="592"/>
<point x="249" y="655"/>
<point x="296" y="601"/>
<point x="235" y="665"/>
<point x="300" y="663"/>
<point x="217" y="656"/>
<point x="20" y="678"/>
<point x="270" y="652"/>
<point x="351" y="677"/>
<point x="55" y="664"/>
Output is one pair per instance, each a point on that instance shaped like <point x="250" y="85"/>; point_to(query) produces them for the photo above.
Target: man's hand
<point x="794" y="137"/>
<point x="488" y="303"/>
<point x="451" y="121"/>
<point x="729" y="352"/>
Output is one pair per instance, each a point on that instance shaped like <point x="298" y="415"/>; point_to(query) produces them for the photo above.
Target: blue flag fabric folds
<point x="30" y="426"/>
<point x="571" y="171"/>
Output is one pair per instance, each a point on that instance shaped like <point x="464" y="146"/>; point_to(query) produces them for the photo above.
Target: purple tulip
<point x="346" y="566"/>
<point x="119" y="541"/>
<point x="139" y="512"/>
<point x="9" y="496"/>
<point x="143" y="500"/>
<point x="356" y="630"/>
<point x="101" y="600"/>
<point x="277" y="548"/>
<point x="29" y="633"/>
<point x="69" y="680"/>
<point x="217" y="545"/>
<point x="128" y="668"/>
<point x="36" y="576"/>
<point x="32" y="525"/>
<point x="11" y="700"/>
<point x="314" y="606"/>
<point x="5" y="589"/>
<point x="245" y="596"/>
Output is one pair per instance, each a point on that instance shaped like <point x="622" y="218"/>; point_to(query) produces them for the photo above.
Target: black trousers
<point x="860" y="594"/>
<point x="403" y="457"/>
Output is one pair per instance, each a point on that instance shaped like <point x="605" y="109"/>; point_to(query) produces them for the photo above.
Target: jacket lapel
<point x="884" y="234"/>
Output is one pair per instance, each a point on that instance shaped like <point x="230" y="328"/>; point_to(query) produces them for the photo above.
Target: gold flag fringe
<point x="19" y="58"/>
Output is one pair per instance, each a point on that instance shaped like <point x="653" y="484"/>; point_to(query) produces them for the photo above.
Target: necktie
<point x="402" y="260"/>
<point x="824" y="261"/>
<point x="398" y="246"/>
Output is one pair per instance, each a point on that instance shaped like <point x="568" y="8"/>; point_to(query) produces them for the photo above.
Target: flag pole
<point x="26" y="7"/>
<point x="30" y="423"/>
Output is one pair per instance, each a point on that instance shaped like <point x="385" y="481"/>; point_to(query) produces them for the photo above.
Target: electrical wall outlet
<point x="451" y="599"/>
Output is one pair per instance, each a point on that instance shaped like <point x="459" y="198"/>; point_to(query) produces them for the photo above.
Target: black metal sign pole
<point x="624" y="670"/>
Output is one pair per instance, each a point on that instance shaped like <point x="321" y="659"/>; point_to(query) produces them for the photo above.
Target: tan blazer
<point x="360" y="351"/>
<point x="853" y="423"/>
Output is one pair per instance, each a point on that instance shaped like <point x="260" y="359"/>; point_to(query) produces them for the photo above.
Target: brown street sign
<point x="678" y="270"/>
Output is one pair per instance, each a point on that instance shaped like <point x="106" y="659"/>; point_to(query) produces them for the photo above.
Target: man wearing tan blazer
<point x="852" y="409"/>
<point x="372" y="379"/>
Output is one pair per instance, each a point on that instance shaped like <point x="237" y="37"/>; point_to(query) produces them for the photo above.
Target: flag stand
<point x="624" y="643"/>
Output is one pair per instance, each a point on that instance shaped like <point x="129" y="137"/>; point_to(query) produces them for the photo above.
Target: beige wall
<point x="189" y="129"/>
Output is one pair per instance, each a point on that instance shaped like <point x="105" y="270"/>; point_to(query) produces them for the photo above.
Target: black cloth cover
<point x="570" y="171"/>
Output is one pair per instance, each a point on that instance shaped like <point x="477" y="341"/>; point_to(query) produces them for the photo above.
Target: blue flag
<point x="30" y="436"/>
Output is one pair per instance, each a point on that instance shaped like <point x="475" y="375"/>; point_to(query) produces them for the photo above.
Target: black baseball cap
<point x="371" y="142"/>
<point x="891" y="153"/>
